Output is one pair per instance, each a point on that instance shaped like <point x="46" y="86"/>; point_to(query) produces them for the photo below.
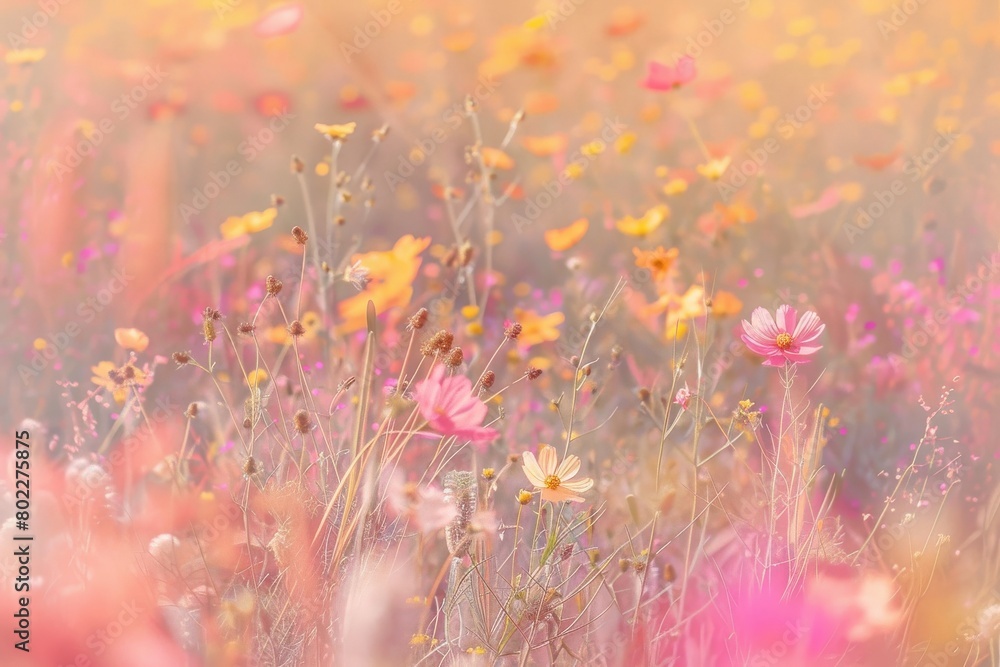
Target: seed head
<point x="297" y="166"/>
<point x="246" y="329"/>
<point x="489" y="377"/>
<point x="439" y="343"/>
<point x="513" y="331"/>
<point x="454" y="357"/>
<point x="250" y="467"/>
<point x="273" y="286"/>
<point x="489" y="473"/>
<point x="302" y="421"/>
<point x="533" y="372"/>
<point x="181" y="358"/>
<point x="299" y="235"/>
<point x="208" y="329"/>
<point x="296" y="329"/>
<point x="192" y="411"/>
<point x="418" y="319"/>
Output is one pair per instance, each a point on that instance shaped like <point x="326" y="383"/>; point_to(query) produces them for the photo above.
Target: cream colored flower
<point x="552" y="477"/>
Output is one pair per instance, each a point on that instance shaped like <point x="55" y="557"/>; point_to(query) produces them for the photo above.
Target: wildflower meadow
<point x="533" y="333"/>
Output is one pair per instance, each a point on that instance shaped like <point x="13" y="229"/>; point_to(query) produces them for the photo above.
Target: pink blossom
<point x="784" y="338"/>
<point x="665" y="77"/>
<point x="450" y="408"/>
<point x="683" y="396"/>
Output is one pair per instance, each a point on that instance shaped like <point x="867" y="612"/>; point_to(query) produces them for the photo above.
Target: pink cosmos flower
<point x="784" y="338"/>
<point x="450" y="408"/>
<point x="665" y="77"/>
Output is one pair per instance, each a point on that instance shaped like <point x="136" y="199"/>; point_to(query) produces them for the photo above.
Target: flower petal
<point x="547" y="460"/>
<point x="568" y="468"/>
<point x="763" y="323"/>
<point x="532" y="470"/>
<point x="579" y="486"/>
<point x="786" y="318"/>
<point x="559" y="495"/>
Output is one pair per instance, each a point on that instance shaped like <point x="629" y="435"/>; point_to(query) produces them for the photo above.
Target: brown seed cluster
<point x="181" y="358"/>
<point x="489" y="377"/>
<point x="299" y="235"/>
<point x="296" y="328"/>
<point x="533" y="372"/>
<point x="209" y="317"/>
<point x="454" y="357"/>
<point x="513" y="331"/>
<point x="302" y="422"/>
<point x="418" y="319"/>
<point x="439" y="343"/>
<point x="251" y="467"/>
<point x="246" y="329"/>
<point x="273" y="286"/>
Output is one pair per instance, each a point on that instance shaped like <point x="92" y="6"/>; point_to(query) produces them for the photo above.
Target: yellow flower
<point x="537" y="328"/>
<point x="593" y="148"/>
<point x="132" y="339"/>
<point x="652" y="219"/>
<point x="117" y="380"/>
<point x="336" y="132"/>
<point x="391" y="274"/>
<point x="552" y="477"/>
<point x="679" y="310"/>
<point x="23" y="56"/>
<point x="256" y="377"/>
<point x="625" y="142"/>
<point x="658" y="261"/>
<point x="687" y="307"/>
<point x="675" y="187"/>
<point x="279" y="334"/>
<point x="714" y="170"/>
<point x="252" y="222"/>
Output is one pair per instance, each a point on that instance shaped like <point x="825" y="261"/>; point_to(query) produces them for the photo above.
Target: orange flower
<point x="537" y="328"/>
<point x="565" y="238"/>
<point x="391" y="274"/>
<point x="722" y="217"/>
<point x="726" y="303"/>
<point x="494" y="158"/>
<point x="658" y="261"/>
<point x="132" y="339"/>
<point x="545" y="146"/>
<point x="255" y="221"/>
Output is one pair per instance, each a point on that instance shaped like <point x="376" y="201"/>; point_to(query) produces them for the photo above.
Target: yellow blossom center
<point x="552" y="482"/>
<point x="784" y="340"/>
